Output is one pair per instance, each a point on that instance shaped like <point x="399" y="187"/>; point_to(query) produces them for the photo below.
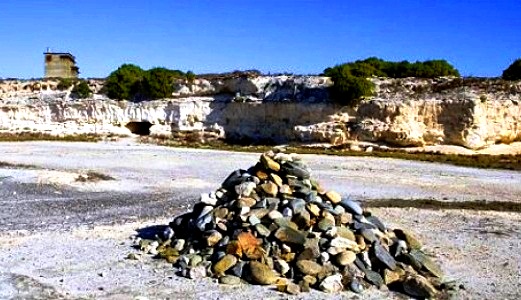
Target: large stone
<point x="418" y="286"/>
<point x="290" y="235"/>
<point x="427" y="263"/>
<point x="270" y="188"/>
<point x="341" y="242"/>
<point x="262" y="274"/>
<point x="296" y="170"/>
<point x="214" y="237"/>
<point x="269" y="163"/>
<point x="345" y="258"/>
<point x="224" y="264"/>
<point x="308" y="267"/>
<point x="333" y="196"/>
<point x="332" y="284"/>
<point x="351" y="206"/>
<point x="384" y="256"/>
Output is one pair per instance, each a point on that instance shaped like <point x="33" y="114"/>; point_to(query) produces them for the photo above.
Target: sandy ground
<point x="65" y="239"/>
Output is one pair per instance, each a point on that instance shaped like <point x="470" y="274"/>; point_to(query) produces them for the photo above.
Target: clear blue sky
<point x="480" y="38"/>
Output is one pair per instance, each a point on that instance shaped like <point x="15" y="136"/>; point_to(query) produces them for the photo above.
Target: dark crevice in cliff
<point x="139" y="128"/>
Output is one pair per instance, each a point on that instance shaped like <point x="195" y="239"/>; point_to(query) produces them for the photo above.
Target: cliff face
<point x="280" y="109"/>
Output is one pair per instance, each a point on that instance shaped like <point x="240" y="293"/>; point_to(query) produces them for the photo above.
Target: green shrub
<point x="513" y="72"/>
<point x="159" y="83"/>
<point x="124" y="83"/>
<point x="190" y="76"/>
<point x="82" y="89"/>
<point x="348" y="89"/>
<point x="350" y="83"/>
<point x="65" y="83"/>
<point x="377" y="67"/>
<point x="130" y="82"/>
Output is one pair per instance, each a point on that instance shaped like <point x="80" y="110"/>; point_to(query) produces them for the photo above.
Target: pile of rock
<point x="274" y="224"/>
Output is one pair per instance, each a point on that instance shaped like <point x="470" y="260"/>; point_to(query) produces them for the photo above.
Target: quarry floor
<point x="65" y="239"/>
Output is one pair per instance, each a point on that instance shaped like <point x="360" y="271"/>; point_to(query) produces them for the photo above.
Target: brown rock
<point x="261" y="175"/>
<point x="270" y="188"/>
<point x="221" y="213"/>
<point x="246" y="202"/>
<point x="224" y="264"/>
<point x="292" y="289"/>
<point x="213" y="238"/>
<point x="345" y="218"/>
<point x="262" y="274"/>
<point x="308" y="267"/>
<point x="346" y="233"/>
<point x="311" y="280"/>
<point x="249" y="245"/>
<point x="290" y="235"/>
<point x="345" y="258"/>
<point x="418" y="286"/>
<point x="288" y="257"/>
<point x="276" y="178"/>
<point x="391" y="276"/>
<point x="269" y="163"/>
<point x="313" y="209"/>
<point x="361" y="242"/>
<point x="285" y="189"/>
<point x="333" y="196"/>
<point x="309" y="253"/>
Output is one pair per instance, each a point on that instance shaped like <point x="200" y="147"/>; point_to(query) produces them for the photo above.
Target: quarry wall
<point x="281" y="109"/>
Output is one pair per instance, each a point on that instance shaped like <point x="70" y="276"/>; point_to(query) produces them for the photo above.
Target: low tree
<point x="159" y="83"/>
<point x="513" y="72"/>
<point x="347" y="88"/>
<point x="81" y="90"/>
<point x="124" y="83"/>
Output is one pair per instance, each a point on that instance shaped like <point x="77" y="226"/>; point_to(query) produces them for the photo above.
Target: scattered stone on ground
<point x="273" y="224"/>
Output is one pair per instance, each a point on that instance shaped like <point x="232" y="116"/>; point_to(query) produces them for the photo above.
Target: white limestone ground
<point x="481" y="250"/>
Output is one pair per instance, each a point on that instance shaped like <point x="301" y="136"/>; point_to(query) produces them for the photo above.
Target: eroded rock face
<point x="281" y="109"/>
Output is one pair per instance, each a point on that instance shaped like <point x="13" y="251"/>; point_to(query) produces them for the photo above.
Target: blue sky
<point x="480" y="38"/>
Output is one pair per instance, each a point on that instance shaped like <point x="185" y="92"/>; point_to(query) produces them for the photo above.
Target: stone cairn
<point x="274" y="225"/>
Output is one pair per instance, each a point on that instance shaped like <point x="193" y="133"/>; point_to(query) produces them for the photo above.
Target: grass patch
<point x="438" y="205"/>
<point x="92" y="176"/>
<point x="7" y="165"/>
<point x="37" y="136"/>
<point x="484" y="161"/>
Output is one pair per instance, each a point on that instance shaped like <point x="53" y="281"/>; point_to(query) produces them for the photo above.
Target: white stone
<point x="208" y="200"/>
<point x="332" y="284"/>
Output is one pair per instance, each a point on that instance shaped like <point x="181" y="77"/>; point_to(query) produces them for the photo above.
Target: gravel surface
<point x="60" y="238"/>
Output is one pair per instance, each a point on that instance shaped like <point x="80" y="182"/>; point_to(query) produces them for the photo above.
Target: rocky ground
<point x="61" y="237"/>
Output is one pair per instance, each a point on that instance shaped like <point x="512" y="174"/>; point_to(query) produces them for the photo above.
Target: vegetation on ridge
<point x="130" y="82"/>
<point x="350" y="79"/>
<point x="513" y="72"/>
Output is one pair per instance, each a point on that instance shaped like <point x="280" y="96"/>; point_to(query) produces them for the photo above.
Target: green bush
<point x="190" y="76"/>
<point x="82" y="89"/>
<point x="377" y="67"/>
<point x="159" y="83"/>
<point x="124" y="83"/>
<point x="350" y="83"/>
<point x="130" y="82"/>
<point x="348" y="89"/>
<point x="513" y="72"/>
<point x="65" y="83"/>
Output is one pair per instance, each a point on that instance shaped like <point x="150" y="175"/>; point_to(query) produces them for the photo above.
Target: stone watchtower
<point x="60" y="65"/>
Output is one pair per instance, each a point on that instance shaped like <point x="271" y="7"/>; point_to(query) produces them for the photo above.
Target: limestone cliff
<point x="280" y="109"/>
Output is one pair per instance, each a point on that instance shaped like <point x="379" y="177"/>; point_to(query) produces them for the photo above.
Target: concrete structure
<point x="60" y="65"/>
